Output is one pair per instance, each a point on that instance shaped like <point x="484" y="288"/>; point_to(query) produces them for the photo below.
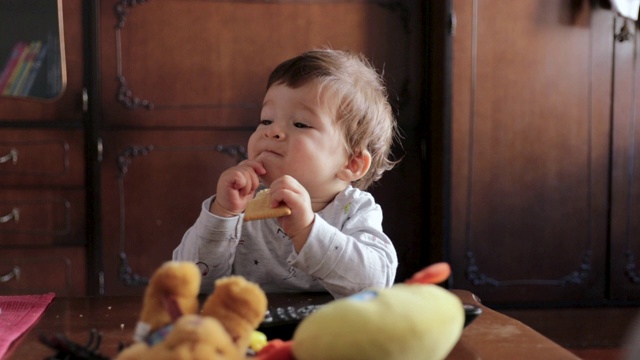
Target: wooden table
<point x="491" y="336"/>
<point x="496" y="336"/>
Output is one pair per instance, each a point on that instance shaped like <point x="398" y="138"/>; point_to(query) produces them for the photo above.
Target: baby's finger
<point x="287" y="182"/>
<point x="276" y="197"/>
<point x="249" y="181"/>
<point x="289" y="197"/>
<point x="257" y="166"/>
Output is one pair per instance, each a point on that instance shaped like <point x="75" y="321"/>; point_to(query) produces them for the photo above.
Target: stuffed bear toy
<point x="171" y="326"/>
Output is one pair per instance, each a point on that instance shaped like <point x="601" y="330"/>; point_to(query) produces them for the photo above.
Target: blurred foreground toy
<point x="170" y="327"/>
<point x="413" y="320"/>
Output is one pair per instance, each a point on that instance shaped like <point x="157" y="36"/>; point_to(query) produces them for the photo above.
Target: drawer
<point x="42" y="217"/>
<point x="41" y="157"/>
<point x="33" y="271"/>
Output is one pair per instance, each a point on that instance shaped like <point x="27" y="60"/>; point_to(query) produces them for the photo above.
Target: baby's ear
<point x="356" y="167"/>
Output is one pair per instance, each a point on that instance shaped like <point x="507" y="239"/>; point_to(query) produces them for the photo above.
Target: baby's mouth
<point x="269" y="153"/>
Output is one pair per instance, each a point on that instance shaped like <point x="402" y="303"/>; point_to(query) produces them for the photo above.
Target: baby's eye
<point x="265" y="122"/>
<point x="301" y="125"/>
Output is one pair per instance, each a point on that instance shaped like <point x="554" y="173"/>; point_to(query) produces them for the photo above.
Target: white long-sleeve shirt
<point x="346" y="251"/>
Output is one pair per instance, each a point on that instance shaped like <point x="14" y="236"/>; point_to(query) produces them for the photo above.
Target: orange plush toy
<point x="170" y="327"/>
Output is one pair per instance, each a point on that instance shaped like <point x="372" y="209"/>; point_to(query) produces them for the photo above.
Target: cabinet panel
<point x="153" y="186"/>
<point x="42" y="217"/>
<point x="41" y="157"/>
<point x="625" y="172"/>
<point x="69" y="106"/>
<point x="530" y="156"/>
<point x="29" y="271"/>
<point x="211" y="60"/>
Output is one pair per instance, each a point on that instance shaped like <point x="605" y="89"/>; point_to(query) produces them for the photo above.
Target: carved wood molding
<point x="577" y="277"/>
<point x="631" y="268"/>
<point x="125" y="96"/>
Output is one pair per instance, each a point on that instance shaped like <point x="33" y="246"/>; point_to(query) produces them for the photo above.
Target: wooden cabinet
<point x="182" y="84"/>
<point x="42" y="179"/>
<point x="100" y="183"/>
<point x="624" y="268"/>
<point x="544" y="158"/>
<point x="536" y="202"/>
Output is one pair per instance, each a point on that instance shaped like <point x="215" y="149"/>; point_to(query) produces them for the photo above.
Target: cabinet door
<point x="206" y="63"/>
<point x="530" y="156"/>
<point x="154" y="183"/>
<point x="68" y="107"/>
<point x="625" y="176"/>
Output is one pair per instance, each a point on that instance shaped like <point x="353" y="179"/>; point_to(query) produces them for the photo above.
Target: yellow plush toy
<point x="170" y="327"/>
<point x="402" y="322"/>
<point x="413" y="320"/>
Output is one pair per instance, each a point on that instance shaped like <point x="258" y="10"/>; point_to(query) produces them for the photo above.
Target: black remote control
<point x="287" y="315"/>
<point x="471" y="312"/>
<point x="281" y="322"/>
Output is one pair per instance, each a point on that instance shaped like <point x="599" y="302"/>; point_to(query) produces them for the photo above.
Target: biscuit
<point x="260" y="208"/>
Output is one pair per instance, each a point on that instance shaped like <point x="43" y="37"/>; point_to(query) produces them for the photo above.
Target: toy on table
<point x="172" y="327"/>
<point x="413" y="320"/>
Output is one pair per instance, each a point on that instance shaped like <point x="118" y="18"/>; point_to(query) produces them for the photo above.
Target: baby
<point x="325" y="135"/>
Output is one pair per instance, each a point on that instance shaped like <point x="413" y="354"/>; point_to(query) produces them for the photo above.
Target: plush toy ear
<point x="239" y="305"/>
<point x="432" y="274"/>
<point x="172" y="291"/>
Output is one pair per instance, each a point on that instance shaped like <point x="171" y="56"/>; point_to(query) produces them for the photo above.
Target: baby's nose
<point x="275" y="133"/>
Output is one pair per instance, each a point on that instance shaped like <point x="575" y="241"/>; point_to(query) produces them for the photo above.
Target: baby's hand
<point x="236" y="186"/>
<point x="297" y="226"/>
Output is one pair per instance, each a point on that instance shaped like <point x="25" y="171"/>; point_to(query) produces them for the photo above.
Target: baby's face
<point x="297" y="136"/>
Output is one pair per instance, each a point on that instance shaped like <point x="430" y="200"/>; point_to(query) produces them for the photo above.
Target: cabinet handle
<point x="453" y="23"/>
<point x="13" y="215"/>
<point x="12" y="155"/>
<point x="625" y="33"/>
<point x="14" y="273"/>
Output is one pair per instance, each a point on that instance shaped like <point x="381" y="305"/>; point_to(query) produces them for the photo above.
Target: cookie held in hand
<point x="260" y="208"/>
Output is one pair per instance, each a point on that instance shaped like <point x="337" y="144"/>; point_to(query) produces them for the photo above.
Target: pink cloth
<point x="17" y="314"/>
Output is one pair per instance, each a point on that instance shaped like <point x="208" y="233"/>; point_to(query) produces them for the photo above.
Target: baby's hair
<point x="364" y="114"/>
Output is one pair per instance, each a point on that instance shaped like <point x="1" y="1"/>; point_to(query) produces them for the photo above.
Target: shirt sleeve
<point x="211" y="243"/>
<point x="352" y="257"/>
